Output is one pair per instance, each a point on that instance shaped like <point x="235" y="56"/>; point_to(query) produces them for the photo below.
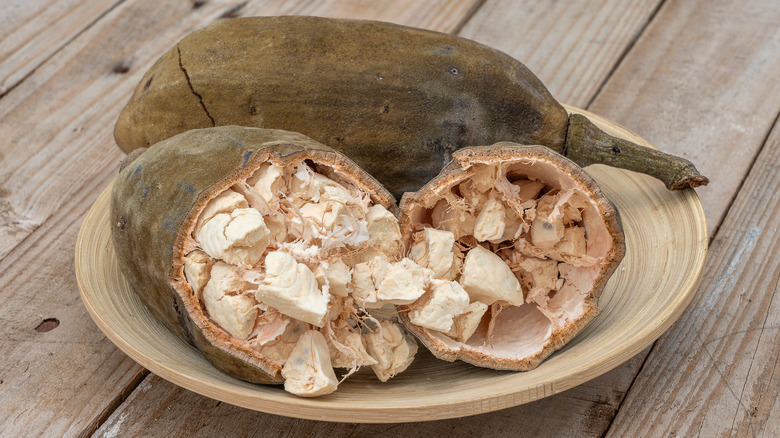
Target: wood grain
<point x="160" y="408"/>
<point x="70" y="106"/>
<point x="61" y="118"/>
<point x="666" y="240"/>
<point x="716" y="372"/>
<point x="441" y="15"/>
<point x="570" y="46"/>
<point x="594" y="402"/>
<point x="56" y="382"/>
<point x="702" y="83"/>
<point x="573" y="48"/>
<point x="32" y="30"/>
<point x="48" y="82"/>
<point x="56" y="154"/>
<point x="751" y="31"/>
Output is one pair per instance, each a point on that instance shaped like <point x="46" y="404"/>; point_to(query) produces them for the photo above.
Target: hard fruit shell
<point x="155" y="202"/>
<point x="395" y="99"/>
<point x="502" y="152"/>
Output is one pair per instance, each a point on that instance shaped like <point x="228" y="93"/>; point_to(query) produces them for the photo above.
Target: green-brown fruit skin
<point x="153" y="204"/>
<point x="398" y="103"/>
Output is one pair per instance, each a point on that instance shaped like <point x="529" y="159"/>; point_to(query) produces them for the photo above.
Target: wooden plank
<point x="32" y="30"/>
<point x="716" y="372"/>
<point x="663" y="90"/>
<point x="159" y="408"/>
<point x="440" y="15"/>
<point x="61" y="117"/>
<point x="583" y="411"/>
<point x="56" y="155"/>
<point x="57" y="377"/>
<point x="705" y="91"/>
<point x="570" y="46"/>
<point x="87" y="87"/>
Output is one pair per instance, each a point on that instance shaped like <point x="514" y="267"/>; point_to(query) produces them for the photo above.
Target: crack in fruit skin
<point x="378" y="92"/>
<point x="396" y="100"/>
<point x="401" y="102"/>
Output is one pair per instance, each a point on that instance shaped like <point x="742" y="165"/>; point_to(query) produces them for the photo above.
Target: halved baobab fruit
<point x="252" y="244"/>
<point x="521" y="242"/>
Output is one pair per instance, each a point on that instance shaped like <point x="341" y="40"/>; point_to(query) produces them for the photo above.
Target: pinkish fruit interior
<point x="271" y="261"/>
<point x="530" y="242"/>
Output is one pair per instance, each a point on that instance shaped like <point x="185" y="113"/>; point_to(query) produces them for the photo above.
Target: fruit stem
<point x="586" y="144"/>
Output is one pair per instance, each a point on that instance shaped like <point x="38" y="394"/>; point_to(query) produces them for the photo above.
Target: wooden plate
<point x="666" y="240"/>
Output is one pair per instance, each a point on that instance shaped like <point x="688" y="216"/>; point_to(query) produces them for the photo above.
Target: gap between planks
<point x="125" y="392"/>
<point x="716" y="228"/>
<point x="59" y="49"/>
<point x="463" y="22"/>
<point x="468" y="16"/>
<point x="745" y="176"/>
<point x="625" y="52"/>
<point x="622" y="57"/>
<point x="634" y="36"/>
<point x="131" y="386"/>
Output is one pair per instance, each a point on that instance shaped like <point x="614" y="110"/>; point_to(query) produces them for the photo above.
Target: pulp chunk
<point x="279" y="350"/>
<point x="277" y="227"/>
<point x="383" y="230"/>
<point x="403" y="283"/>
<point x="378" y="282"/>
<point x="573" y="242"/>
<point x="540" y="276"/>
<point x="291" y="288"/>
<point x="435" y="252"/>
<point x="528" y="189"/>
<point x="336" y="276"/>
<point x="266" y="182"/>
<point x="239" y="237"/>
<point x="575" y="204"/>
<point x="308" y="372"/>
<point x="351" y="351"/>
<point x="440" y="305"/>
<point x="392" y="348"/>
<point x="474" y="194"/>
<point x="311" y="186"/>
<point x="465" y="324"/>
<point x="270" y="326"/>
<point x="455" y="219"/>
<point x="225" y="202"/>
<point x="334" y="224"/>
<point x="488" y="279"/>
<point x="491" y="222"/>
<point x="547" y="228"/>
<point x="225" y="304"/>
<point x="365" y="280"/>
<point x="197" y="269"/>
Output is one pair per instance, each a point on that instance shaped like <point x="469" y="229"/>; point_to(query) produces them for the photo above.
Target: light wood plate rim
<point x="500" y="390"/>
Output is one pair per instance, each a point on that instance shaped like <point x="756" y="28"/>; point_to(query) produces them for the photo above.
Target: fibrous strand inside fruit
<point x="286" y="261"/>
<point x="290" y="261"/>
<point x="520" y="242"/>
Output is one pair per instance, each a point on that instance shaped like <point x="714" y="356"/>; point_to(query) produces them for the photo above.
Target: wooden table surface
<point x="697" y="78"/>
